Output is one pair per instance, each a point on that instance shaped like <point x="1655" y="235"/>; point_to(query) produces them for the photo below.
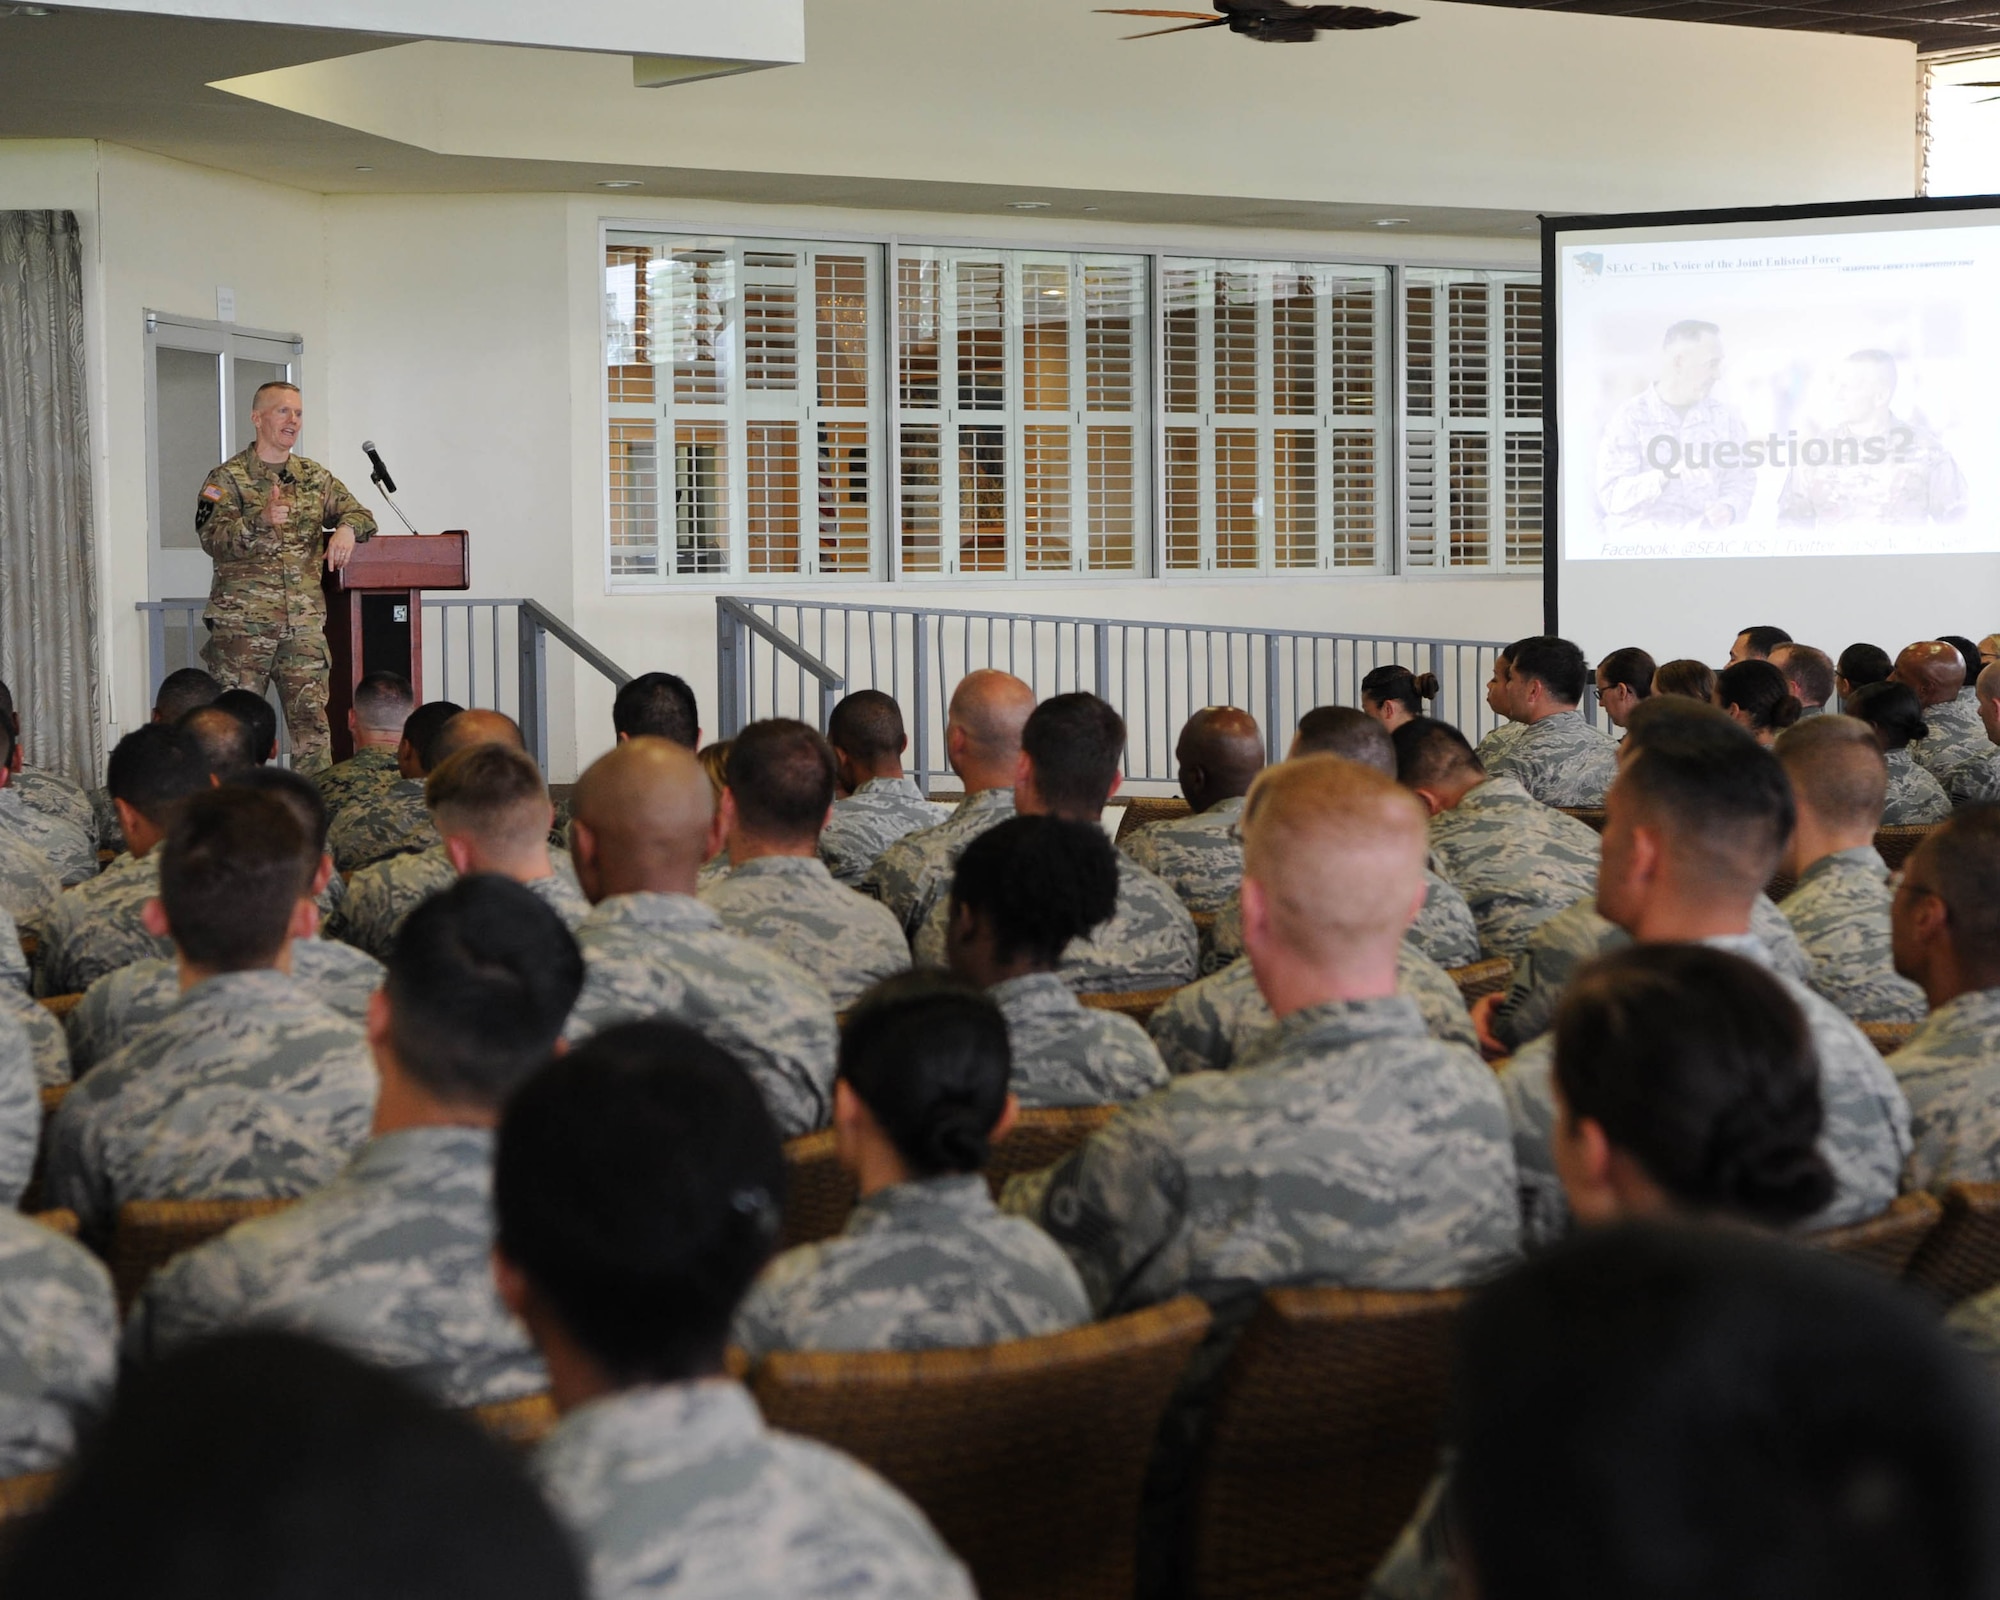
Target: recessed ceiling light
<point x="1392" y="222"/>
<point x="1093" y="208"/>
<point x="26" y="11"/>
<point x="620" y="183"/>
<point x="364" y="169"/>
<point x="1028" y="205"/>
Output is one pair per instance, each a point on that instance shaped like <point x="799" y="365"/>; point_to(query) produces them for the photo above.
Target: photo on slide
<point x="1811" y="395"/>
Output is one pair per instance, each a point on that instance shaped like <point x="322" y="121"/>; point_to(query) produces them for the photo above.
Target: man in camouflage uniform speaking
<point x="261" y="517"/>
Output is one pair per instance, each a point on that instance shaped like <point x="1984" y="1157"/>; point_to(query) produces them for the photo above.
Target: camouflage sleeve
<point x="342" y="510"/>
<point x="1189" y="1033"/>
<point x="227" y="527"/>
<point x="20" y="1111"/>
<point x="189" y="1298"/>
<point x="75" y="1179"/>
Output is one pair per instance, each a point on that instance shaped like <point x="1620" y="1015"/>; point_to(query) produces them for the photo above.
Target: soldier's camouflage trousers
<point x="298" y="662"/>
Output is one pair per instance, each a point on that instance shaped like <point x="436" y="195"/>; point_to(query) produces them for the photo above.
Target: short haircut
<point x="383" y="701"/>
<point x="257" y="399"/>
<point x="1074" y="742"/>
<point x="1836" y="767"/>
<point x="1428" y="751"/>
<point x="481" y="980"/>
<point x="1809" y="671"/>
<point x="1892" y="710"/>
<point x="1039" y="882"/>
<point x="301" y="794"/>
<point x="1691" y="679"/>
<point x="1629" y="668"/>
<point x="1690" y="329"/>
<point x="180" y="692"/>
<point x="781" y="775"/>
<point x="637" y="1186"/>
<point x="660" y="704"/>
<point x="1698" y="1065"/>
<point x="1704" y="1414"/>
<point x="425" y="725"/>
<point x="1960" y="864"/>
<point x="1718" y="794"/>
<point x="1344" y="731"/>
<point x="491" y="791"/>
<point x="267" y="1464"/>
<point x="930" y="1060"/>
<point x="1663" y="713"/>
<point x="1762" y="640"/>
<point x="1968" y="652"/>
<point x="258" y="715"/>
<point x="155" y="767"/>
<point x="1761" y="692"/>
<point x="231" y="873"/>
<point x="1554" y="663"/>
<point x="1865" y="663"/>
<point x="868" y="725"/>
<point x="1397" y="685"/>
<point x="227" y="745"/>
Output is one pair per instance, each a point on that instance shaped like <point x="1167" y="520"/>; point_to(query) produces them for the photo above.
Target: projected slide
<point x="1821" y="394"/>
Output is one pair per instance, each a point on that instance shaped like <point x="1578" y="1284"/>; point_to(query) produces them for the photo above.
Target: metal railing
<point x="797" y="658"/>
<point x="468" y="646"/>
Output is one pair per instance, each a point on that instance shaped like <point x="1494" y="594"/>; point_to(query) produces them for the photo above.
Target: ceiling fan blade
<point x="1342" y="18"/>
<point x="1192" y="27"/>
<point x="1196" y="16"/>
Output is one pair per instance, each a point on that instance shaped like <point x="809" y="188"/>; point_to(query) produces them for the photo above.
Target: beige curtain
<point x="48" y="592"/>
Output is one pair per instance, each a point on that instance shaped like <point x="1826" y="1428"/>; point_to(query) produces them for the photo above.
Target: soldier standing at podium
<point x="264" y="517"/>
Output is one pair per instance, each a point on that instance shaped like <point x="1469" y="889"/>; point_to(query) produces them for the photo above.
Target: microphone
<point x="381" y="473"/>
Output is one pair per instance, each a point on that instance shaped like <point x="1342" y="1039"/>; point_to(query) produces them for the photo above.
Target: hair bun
<point x="954" y="1140"/>
<point x="1427" y="686"/>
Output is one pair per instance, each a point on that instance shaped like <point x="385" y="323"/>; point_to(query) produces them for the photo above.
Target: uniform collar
<point x="245" y="990"/>
<point x="784" y="867"/>
<point x="1034" y="994"/>
<point x="1746" y="945"/>
<point x="1862" y="858"/>
<point x="388" y="1156"/>
<point x="1337" y="1025"/>
<point x="903" y="788"/>
<point x="652" y="909"/>
<point x="1231" y="807"/>
<point x="671" y="1426"/>
<point x="975" y="805"/>
<point x="258" y="467"/>
<point x="1495" y="791"/>
<point x="1975" y="1011"/>
<point x="921" y="1204"/>
<point x="1560" y="719"/>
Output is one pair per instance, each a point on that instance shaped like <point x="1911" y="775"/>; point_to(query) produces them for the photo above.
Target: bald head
<point x="1932" y="670"/>
<point x="1333" y="866"/>
<point x="1221" y="751"/>
<point x="471" y="728"/>
<point x="983" y="731"/>
<point x="643" y="816"/>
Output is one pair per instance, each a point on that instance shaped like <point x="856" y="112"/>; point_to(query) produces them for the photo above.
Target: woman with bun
<point x="926" y="1261"/>
<point x="1393" y="695"/>
<point x="1759" y="697"/>
<point x="1891" y="709"/>
<point x="1624" y="683"/>
<point x="1021" y="893"/>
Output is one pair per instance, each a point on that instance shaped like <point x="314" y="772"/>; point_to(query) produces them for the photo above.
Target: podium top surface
<point x="408" y="561"/>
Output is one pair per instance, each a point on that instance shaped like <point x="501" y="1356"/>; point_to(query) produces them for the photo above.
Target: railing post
<point x="1274" y="742"/>
<point x="1101" y="662"/>
<point x="532" y="647"/>
<point x="156" y="649"/>
<point x="731" y="672"/>
<point x="920" y="678"/>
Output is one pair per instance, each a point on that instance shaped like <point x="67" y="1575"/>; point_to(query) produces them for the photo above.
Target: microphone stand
<point x="376" y="479"/>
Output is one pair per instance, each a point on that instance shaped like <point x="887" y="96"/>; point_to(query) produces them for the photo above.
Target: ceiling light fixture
<point x="1392" y="222"/>
<point x="26" y="11"/>
<point x="364" y="169"/>
<point x="1028" y="205"/>
<point x="620" y="183"/>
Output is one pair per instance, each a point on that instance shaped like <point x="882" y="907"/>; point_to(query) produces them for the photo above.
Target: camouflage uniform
<point x="362" y="778"/>
<point x="1951" y="1073"/>
<point x="871" y="819"/>
<point x="1840" y="911"/>
<point x="1208" y="1024"/>
<point x="95" y="928"/>
<point x="791" y="906"/>
<point x="1200" y="857"/>
<point x="1975" y="781"/>
<point x="1561" y="760"/>
<point x="58" y="1345"/>
<point x="56" y="843"/>
<point x="122" y="1004"/>
<point x="914" y="873"/>
<point x="29" y="881"/>
<point x="1496" y="743"/>
<point x="385" y="823"/>
<point x="680" y="1489"/>
<point x="1345" y="1148"/>
<point x="1915" y="796"/>
<point x="1919" y="483"/>
<point x="1516" y="861"/>
<point x="249" y="1089"/>
<point x="1975" y="1324"/>
<point x="110" y="831"/>
<point x="20" y="1110"/>
<point x="1577" y="934"/>
<point x="1864" y="1137"/>
<point x="1444" y="930"/>
<point x="1957" y="736"/>
<point x="392" y="1261"/>
<point x="47" y="1044"/>
<point x="1069" y="1054"/>
<point x="1149" y="943"/>
<point x="925" y="1265"/>
<point x="266" y="614"/>
<point x="380" y="897"/>
<point x="667" y="955"/>
<point x="54" y="795"/>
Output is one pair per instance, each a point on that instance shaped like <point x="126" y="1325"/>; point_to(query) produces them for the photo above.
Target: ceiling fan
<point x="1989" y="99"/>
<point x="1272" y="21"/>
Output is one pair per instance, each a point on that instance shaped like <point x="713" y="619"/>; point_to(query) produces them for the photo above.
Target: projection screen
<point x="1787" y="416"/>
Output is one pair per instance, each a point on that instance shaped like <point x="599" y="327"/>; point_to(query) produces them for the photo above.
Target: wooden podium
<point x="375" y="614"/>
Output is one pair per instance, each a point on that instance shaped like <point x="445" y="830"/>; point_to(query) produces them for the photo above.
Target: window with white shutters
<point x="1020" y="412"/>
<point x="1274" y="393"/>
<point x="1472" y="420"/>
<point x="744" y="432"/>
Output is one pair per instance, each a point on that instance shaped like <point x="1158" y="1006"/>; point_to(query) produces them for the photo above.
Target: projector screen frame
<point x="1551" y="334"/>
